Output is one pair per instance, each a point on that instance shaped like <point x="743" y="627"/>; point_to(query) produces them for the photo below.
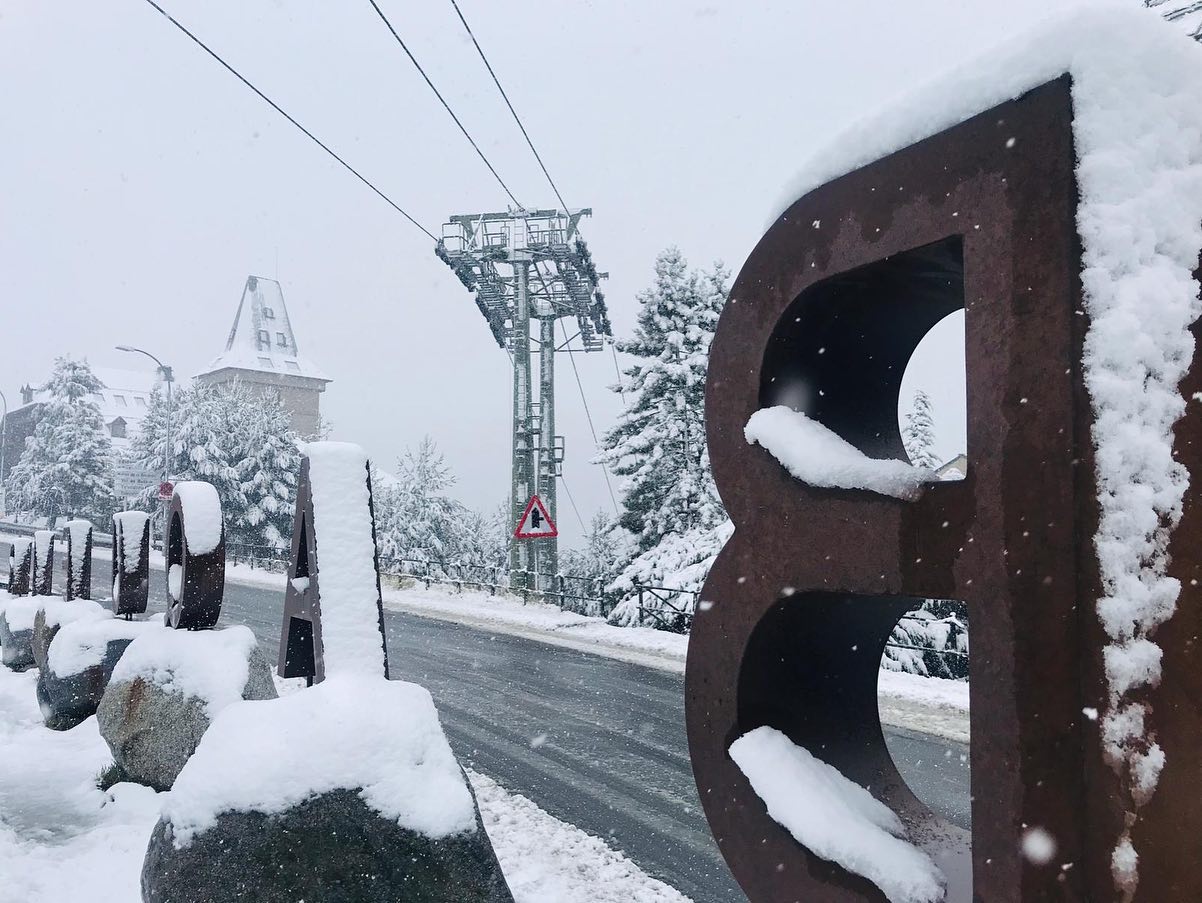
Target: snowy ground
<point x="927" y="705"/>
<point x="64" y="841"/>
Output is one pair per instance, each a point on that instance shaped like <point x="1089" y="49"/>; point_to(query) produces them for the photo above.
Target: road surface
<point x="596" y="742"/>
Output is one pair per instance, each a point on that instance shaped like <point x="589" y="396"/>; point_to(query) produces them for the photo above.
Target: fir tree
<point x="670" y="504"/>
<point x="590" y="570"/>
<point x="918" y="435"/>
<point x="238" y="440"/>
<point x="66" y="467"/>
<point x="416" y="519"/>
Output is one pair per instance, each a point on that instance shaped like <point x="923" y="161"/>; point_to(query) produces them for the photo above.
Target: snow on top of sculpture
<point x="57" y="610"/>
<point x="346" y="558"/>
<point x="19" y="546"/>
<point x="350" y="732"/>
<point x="42" y="542"/>
<point x="82" y="644"/>
<point x="130" y="525"/>
<point x="836" y="818"/>
<point x="211" y="665"/>
<point x="202" y="511"/>
<point x="20" y="612"/>
<point x="820" y="457"/>
<point x="1138" y="134"/>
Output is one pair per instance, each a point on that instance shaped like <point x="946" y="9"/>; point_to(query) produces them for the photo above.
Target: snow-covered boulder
<point x="79" y="662"/>
<point x="16" y="631"/>
<point x="53" y="612"/>
<point x="168" y="687"/>
<point x="347" y="790"/>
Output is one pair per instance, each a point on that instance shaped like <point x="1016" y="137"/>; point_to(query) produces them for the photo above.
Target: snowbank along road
<point x="596" y="742"/>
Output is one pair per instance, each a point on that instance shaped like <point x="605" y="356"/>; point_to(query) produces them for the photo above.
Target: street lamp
<point x="168" y="378"/>
<point x="3" y="444"/>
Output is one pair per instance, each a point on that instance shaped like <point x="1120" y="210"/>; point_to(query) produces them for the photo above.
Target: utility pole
<point x="528" y="265"/>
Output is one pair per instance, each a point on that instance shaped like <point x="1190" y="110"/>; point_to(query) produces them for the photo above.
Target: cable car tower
<point x="524" y="266"/>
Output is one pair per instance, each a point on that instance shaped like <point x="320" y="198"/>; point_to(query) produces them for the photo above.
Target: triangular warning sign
<point x="536" y="523"/>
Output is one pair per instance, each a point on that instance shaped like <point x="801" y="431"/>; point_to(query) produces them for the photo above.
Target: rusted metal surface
<point x="20" y="567"/>
<point x="810" y="570"/>
<point x="131" y="585"/>
<point x="301" y="634"/>
<point x="202" y="575"/>
<point x="79" y="580"/>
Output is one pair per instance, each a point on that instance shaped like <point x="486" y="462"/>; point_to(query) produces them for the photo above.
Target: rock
<point x="346" y="792"/>
<point x="166" y="690"/>
<point x="332" y="847"/>
<point x="54" y="612"/>
<point x="79" y="662"/>
<point x="16" y="632"/>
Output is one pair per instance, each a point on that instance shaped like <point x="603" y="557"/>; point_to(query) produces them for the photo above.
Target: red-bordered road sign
<point x="535" y="523"/>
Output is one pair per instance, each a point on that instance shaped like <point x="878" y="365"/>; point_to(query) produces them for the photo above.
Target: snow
<point x="202" y="515"/>
<point x="546" y="860"/>
<point x="211" y="665"/>
<point x="130" y="526"/>
<point x="58" y="610"/>
<point x="82" y="644"/>
<point x="300" y="584"/>
<point x="20" y="611"/>
<point x="815" y="455"/>
<point x="351" y="731"/>
<point x="64" y="841"/>
<point x="43" y="543"/>
<point x="834" y="818"/>
<point x="78" y="531"/>
<point x="175" y="581"/>
<point x="346" y="562"/>
<point x="1136" y="127"/>
<point x="19" y="548"/>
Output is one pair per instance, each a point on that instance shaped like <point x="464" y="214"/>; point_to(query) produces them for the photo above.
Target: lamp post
<point x="3" y="445"/>
<point x="168" y="378"/>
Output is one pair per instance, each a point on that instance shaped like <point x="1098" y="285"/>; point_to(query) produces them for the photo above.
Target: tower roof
<point x="261" y="338"/>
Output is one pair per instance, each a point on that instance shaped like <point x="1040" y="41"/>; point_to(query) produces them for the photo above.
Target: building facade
<point x="262" y="354"/>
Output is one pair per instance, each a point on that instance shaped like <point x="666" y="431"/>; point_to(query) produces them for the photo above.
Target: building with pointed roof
<point x="262" y="354"/>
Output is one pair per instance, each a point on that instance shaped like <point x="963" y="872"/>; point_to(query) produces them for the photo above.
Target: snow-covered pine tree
<point x="238" y="440"/>
<point x="1189" y="14"/>
<point x="918" y="434"/>
<point x="268" y="471"/>
<point x="416" y="519"/>
<point x="66" y="467"/>
<point x="658" y="445"/>
<point x="590" y="570"/>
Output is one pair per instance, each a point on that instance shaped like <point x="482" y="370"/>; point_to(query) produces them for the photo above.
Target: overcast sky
<point x="140" y="183"/>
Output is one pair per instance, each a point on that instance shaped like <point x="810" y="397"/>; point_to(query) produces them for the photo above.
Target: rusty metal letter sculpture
<point x="78" y="534"/>
<point x="304" y="644"/>
<point x="833" y="301"/>
<point x="20" y="565"/>
<point x="42" y="581"/>
<point x="195" y="562"/>
<point x="131" y="563"/>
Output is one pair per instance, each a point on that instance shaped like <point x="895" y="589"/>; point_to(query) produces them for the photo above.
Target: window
<point x="266" y="362"/>
<point x="264" y="339"/>
<point x="281" y="340"/>
<point x="140" y="402"/>
<point x="117" y="428"/>
<point x="268" y="313"/>
<point x="121" y="402"/>
<point x="292" y="365"/>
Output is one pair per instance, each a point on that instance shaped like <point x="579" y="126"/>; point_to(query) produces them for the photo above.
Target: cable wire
<point x="442" y="100"/>
<point x="516" y="118"/>
<point x="568" y="491"/>
<point x="201" y="44"/>
<point x="588" y="415"/>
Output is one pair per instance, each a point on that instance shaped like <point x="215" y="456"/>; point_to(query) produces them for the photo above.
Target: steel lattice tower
<point x="526" y="265"/>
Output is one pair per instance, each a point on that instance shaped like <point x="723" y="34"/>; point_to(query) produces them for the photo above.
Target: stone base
<point x="330" y="849"/>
